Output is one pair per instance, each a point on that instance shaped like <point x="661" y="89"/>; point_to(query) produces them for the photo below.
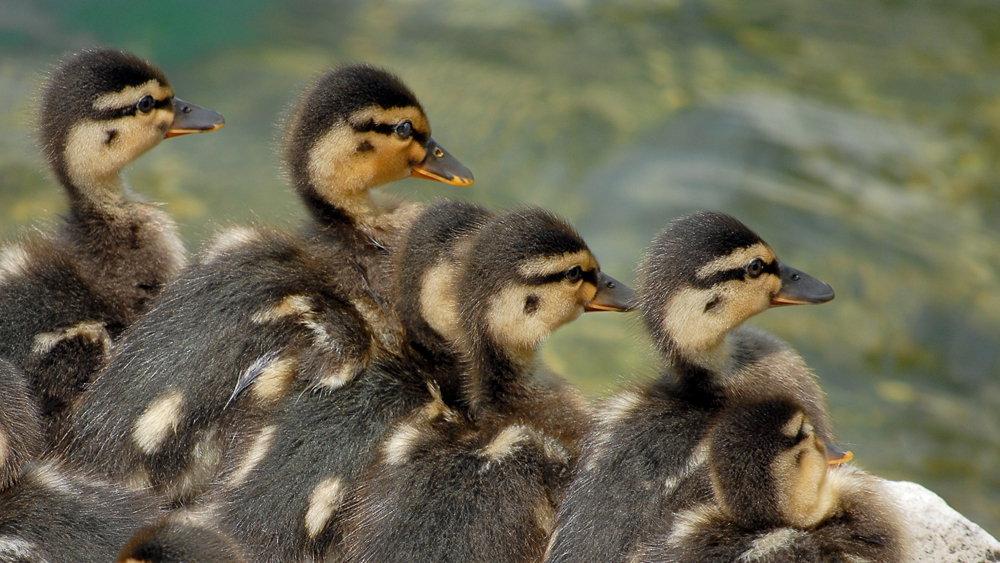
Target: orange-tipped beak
<point x="835" y="455"/>
<point x="441" y="166"/>
<point x="189" y="118"/>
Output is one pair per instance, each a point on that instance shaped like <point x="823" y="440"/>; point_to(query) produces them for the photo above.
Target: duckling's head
<point x="359" y="127"/>
<point x="102" y="109"/>
<point x="528" y="273"/>
<point x="769" y="469"/>
<point x="705" y="274"/>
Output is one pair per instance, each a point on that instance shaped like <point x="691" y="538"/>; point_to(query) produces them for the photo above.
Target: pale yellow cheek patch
<point x="131" y="95"/>
<point x="159" y="421"/>
<point x="331" y="165"/>
<point x="737" y="259"/>
<point x="326" y="498"/>
<point x="274" y="380"/>
<point x="437" y="300"/>
<point x="93" y="164"/>
<point x="521" y="332"/>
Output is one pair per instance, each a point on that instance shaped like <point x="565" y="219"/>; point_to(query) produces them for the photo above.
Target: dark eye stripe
<point x="733" y="274"/>
<point x="588" y="276"/>
<point x="387" y="129"/>
<point x="130" y="110"/>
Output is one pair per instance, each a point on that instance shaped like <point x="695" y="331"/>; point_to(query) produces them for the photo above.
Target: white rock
<point x="941" y="534"/>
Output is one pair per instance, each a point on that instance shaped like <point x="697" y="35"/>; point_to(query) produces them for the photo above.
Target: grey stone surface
<point x="941" y="534"/>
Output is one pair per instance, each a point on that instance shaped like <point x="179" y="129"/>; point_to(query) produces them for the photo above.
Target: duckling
<point x="703" y="276"/>
<point x="288" y="503"/>
<point x="779" y="494"/>
<point x="54" y="514"/>
<point x="180" y="538"/>
<point x="20" y="424"/>
<point x="263" y="314"/>
<point x="66" y="295"/>
<point x="437" y="247"/>
<point x="480" y="481"/>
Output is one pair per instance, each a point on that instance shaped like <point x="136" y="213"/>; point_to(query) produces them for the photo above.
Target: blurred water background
<point x="860" y="138"/>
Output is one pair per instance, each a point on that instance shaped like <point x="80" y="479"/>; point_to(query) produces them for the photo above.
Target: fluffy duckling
<point x="437" y="248"/>
<point x="54" y="515"/>
<point x="480" y="481"/>
<point x="778" y="494"/>
<point x="180" y="538"/>
<point x="288" y="503"/>
<point x="66" y="295"/>
<point x="20" y="424"/>
<point x="263" y="314"/>
<point x="704" y="275"/>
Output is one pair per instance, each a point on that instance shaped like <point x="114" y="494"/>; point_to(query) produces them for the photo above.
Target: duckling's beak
<point x="612" y="295"/>
<point x="799" y="288"/>
<point x="835" y="455"/>
<point x="441" y="166"/>
<point x="189" y="118"/>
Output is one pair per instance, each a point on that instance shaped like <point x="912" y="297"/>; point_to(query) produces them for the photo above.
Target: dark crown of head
<point x="523" y="234"/>
<point x="340" y="93"/>
<point x="682" y="248"/>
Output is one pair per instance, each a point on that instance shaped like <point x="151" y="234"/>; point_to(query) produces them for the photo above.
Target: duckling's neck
<point x="378" y="216"/>
<point x="494" y="377"/>
<point x="105" y="196"/>
<point x="715" y="357"/>
<point x="697" y="374"/>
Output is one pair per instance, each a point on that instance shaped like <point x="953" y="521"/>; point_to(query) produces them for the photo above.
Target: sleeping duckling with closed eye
<point x="779" y="494"/>
<point x="703" y="276"/>
<point x="265" y="314"/>
<point x="479" y="481"/>
<point x="66" y="295"/>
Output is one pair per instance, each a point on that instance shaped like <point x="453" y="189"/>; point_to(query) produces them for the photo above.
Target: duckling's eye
<point x="573" y="274"/>
<point x="145" y="105"/>
<point x="404" y="130"/>
<point x="755" y="268"/>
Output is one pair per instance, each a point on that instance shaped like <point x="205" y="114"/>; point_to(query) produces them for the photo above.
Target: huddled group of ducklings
<point x="366" y="389"/>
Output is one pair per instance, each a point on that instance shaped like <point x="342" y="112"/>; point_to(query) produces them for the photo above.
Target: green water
<point x="860" y="138"/>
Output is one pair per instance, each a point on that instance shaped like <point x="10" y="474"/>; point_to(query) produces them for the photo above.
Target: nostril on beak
<point x="186" y="109"/>
<point x="796" y="277"/>
<point x="439" y="153"/>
